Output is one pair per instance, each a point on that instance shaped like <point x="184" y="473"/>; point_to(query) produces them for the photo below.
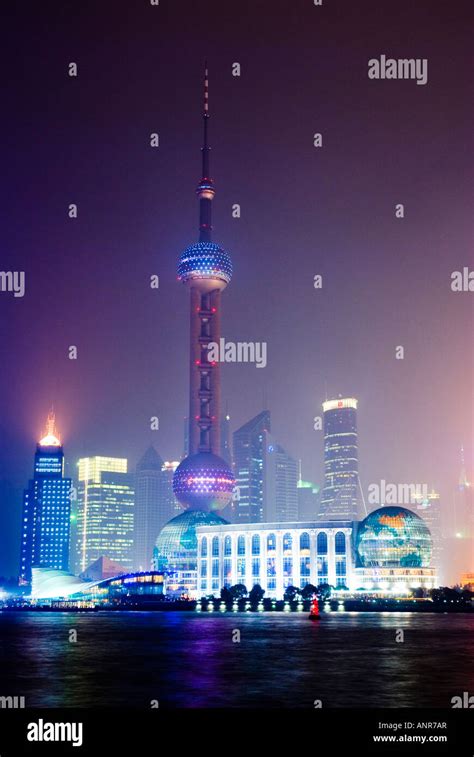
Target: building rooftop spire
<point x="50" y="439"/>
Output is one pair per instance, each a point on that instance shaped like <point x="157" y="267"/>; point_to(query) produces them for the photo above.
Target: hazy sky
<point x="304" y="211"/>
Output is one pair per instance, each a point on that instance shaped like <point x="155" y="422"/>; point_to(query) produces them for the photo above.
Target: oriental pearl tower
<point x="203" y="482"/>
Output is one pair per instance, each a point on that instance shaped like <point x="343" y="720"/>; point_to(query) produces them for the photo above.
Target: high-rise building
<point x="308" y="499"/>
<point x="46" y="509"/>
<point x="170" y="505"/>
<point x="155" y="504"/>
<point x="280" y="479"/>
<point x="428" y="508"/>
<point x="226" y="449"/>
<point x="104" y="516"/>
<point x="464" y="504"/>
<point x="340" y="496"/>
<point x="249" y="454"/>
<point x="149" y="518"/>
<point x="203" y="482"/>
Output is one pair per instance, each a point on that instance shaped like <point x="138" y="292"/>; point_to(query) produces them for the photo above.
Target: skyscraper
<point x="249" y="453"/>
<point x="46" y="509"/>
<point x="308" y="498"/>
<point x="155" y="504"/>
<point x="226" y="449"/>
<point x="280" y="481"/>
<point x="464" y="504"/>
<point x="170" y="505"/>
<point x="104" y="517"/>
<point x="340" y="496"/>
<point x="428" y="508"/>
<point x="149" y="518"/>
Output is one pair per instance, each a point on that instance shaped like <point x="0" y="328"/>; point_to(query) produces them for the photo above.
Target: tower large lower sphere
<point x="203" y="482"/>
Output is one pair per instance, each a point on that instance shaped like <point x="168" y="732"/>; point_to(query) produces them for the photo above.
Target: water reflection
<point x="275" y="659"/>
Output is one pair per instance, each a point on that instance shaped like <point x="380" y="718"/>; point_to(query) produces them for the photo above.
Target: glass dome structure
<point x="394" y="537"/>
<point x="176" y="546"/>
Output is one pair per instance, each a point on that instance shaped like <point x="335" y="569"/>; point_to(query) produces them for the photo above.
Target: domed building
<point x="393" y="551"/>
<point x="176" y="549"/>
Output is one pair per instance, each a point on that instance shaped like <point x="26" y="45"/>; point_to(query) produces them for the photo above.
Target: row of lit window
<point x="304" y="541"/>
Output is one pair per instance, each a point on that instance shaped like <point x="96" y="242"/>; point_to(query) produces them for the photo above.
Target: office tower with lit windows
<point x="249" y="455"/>
<point x="104" y="512"/>
<point x="280" y="479"/>
<point x="46" y="509"/>
<point x="340" y="496"/>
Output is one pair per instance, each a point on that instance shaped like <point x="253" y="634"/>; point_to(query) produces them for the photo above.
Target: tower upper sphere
<point x="206" y="265"/>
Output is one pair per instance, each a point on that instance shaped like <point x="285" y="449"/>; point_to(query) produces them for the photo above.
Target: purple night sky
<point x="305" y="211"/>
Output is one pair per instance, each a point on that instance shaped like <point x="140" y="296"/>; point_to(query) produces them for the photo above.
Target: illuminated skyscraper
<point x="148" y="520"/>
<point x="104" y="516"/>
<point x="308" y="498"/>
<point x="249" y="454"/>
<point x="428" y="508"/>
<point x="340" y="496"/>
<point x="226" y="449"/>
<point x="155" y="504"/>
<point x="464" y="504"/>
<point x="280" y="477"/>
<point x="46" y="509"/>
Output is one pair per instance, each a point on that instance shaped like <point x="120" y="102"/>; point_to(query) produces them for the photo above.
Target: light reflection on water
<point x="282" y="660"/>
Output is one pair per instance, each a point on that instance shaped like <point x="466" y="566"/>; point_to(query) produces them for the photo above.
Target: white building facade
<point x="274" y="555"/>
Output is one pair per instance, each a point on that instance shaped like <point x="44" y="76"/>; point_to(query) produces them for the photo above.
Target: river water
<point x="181" y="659"/>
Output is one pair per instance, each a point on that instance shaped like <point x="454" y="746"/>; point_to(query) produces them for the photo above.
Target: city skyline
<point x="139" y="507"/>
<point x="340" y="223"/>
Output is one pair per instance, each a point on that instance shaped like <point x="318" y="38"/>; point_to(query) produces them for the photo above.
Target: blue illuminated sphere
<point x="203" y="482"/>
<point x="176" y="546"/>
<point x="205" y="265"/>
<point x="394" y="537"/>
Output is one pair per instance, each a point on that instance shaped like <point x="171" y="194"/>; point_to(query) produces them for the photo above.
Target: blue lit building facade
<point x="274" y="556"/>
<point x="280" y="472"/>
<point x="249" y="454"/>
<point x="388" y="553"/>
<point x="46" y="509"/>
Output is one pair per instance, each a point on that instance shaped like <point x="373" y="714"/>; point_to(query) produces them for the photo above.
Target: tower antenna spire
<point x="205" y="190"/>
